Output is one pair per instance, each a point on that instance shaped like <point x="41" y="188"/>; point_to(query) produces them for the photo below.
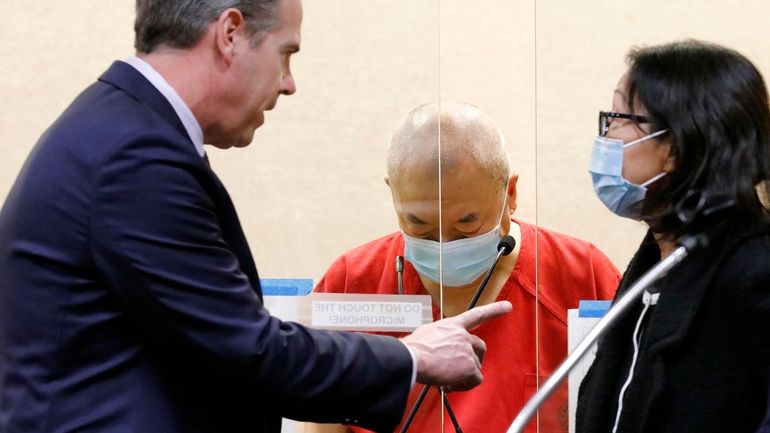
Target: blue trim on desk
<point x="286" y="286"/>
<point x="593" y="308"/>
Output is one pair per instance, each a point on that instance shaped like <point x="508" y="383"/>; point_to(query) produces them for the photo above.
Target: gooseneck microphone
<point x="400" y="273"/>
<point x="504" y="247"/>
<point x="507" y="244"/>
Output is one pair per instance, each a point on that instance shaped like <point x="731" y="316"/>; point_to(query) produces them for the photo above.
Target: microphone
<point x="504" y="247"/>
<point x="507" y="243"/>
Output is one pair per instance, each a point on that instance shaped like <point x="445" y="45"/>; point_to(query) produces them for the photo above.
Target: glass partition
<point x="314" y="193"/>
<point x="311" y="185"/>
<point x="488" y="61"/>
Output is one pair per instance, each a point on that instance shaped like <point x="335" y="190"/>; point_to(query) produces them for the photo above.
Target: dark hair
<point x="181" y="23"/>
<point x="714" y="104"/>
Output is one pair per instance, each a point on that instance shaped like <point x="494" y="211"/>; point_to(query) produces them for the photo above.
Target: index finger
<point x="476" y="316"/>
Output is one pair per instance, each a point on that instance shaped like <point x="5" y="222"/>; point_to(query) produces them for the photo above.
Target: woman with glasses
<point x="689" y="119"/>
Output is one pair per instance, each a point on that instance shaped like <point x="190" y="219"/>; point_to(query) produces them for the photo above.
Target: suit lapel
<point x="127" y="78"/>
<point x="233" y="234"/>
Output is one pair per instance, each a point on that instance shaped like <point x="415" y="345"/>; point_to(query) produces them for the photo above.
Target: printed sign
<point x="363" y="315"/>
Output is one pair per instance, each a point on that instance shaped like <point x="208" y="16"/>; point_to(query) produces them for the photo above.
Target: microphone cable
<point x="504" y="247"/>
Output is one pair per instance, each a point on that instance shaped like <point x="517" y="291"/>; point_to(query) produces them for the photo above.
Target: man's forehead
<point x="421" y="209"/>
<point x="423" y="179"/>
<point x="424" y="202"/>
<point x="427" y="213"/>
<point x="289" y="16"/>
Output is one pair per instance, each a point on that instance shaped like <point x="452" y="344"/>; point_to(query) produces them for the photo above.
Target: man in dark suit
<point x="129" y="298"/>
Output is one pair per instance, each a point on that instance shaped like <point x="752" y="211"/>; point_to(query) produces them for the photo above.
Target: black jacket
<point x="704" y="361"/>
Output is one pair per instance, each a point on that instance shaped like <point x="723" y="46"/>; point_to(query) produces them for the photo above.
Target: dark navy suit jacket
<point x="129" y="300"/>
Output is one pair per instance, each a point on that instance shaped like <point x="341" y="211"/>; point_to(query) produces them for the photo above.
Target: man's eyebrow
<point x="470" y="218"/>
<point x="414" y="219"/>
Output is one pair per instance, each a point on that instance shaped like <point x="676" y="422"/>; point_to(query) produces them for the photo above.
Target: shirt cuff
<point x="414" y="366"/>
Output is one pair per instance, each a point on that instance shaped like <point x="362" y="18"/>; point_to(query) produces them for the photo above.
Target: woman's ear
<point x="669" y="165"/>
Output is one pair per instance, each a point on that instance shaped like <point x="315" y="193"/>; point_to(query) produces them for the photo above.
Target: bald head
<point x="468" y="138"/>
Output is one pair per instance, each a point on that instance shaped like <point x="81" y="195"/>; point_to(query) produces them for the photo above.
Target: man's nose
<point x="288" y="86"/>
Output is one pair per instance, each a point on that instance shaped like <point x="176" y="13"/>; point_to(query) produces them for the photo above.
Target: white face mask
<point x="464" y="260"/>
<point x="606" y="167"/>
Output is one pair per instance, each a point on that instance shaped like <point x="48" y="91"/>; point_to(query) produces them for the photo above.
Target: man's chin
<point x="244" y="141"/>
<point x="225" y="140"/>
<point x="237" y="142"/>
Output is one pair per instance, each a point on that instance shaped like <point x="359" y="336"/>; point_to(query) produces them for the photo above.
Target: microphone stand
<point x="506" y="245"/>
<point x="625" y="301"/>
<point x="696" y="207"/>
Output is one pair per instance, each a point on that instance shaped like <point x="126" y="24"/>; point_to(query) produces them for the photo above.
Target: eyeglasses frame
<point x="605" y="116"/>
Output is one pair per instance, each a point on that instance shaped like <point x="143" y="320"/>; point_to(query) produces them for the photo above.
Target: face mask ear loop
<point x="649" y="182"/>
<point x="505" y="202"/>
<point x="646" y="137"/>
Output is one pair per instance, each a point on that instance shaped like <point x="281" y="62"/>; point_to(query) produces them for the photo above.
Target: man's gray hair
<point x="466" y="134"/>
<point x="181" y="23"/>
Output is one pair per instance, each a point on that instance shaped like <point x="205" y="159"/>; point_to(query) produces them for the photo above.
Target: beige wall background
<point x="310" y="186"/>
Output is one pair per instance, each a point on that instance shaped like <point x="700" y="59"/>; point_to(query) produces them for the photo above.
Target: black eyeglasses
<point x="605" y="118"/>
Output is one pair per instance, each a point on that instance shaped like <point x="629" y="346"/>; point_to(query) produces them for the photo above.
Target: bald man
<point x="546" y="274"/>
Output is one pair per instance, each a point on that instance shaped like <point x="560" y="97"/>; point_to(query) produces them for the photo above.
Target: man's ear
<point x="229" y="33"/>
<point x="512" y="192"/>
<point x="387" y="180"/>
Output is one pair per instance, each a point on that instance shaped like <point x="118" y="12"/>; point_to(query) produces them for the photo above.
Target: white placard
<point x="285" y="308"/>
<point x="366" y="315"/>
<point x="354" y="312"/>
<point x="577" y="328"/>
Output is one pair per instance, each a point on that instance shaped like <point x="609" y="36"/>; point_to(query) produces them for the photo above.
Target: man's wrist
<point x="414" y="364"/>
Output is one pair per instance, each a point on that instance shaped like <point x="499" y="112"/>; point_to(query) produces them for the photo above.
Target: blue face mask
<point x="616" y="192"/>
<point x="464" y="260"/>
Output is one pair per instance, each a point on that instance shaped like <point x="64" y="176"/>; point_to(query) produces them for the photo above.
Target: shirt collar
<point x="189" y="121"/>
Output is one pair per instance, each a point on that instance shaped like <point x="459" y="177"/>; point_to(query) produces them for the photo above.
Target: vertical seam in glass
<point x="440" y="192"/>
<point x="440" y="220"/>
<point x="537" y="252"/>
